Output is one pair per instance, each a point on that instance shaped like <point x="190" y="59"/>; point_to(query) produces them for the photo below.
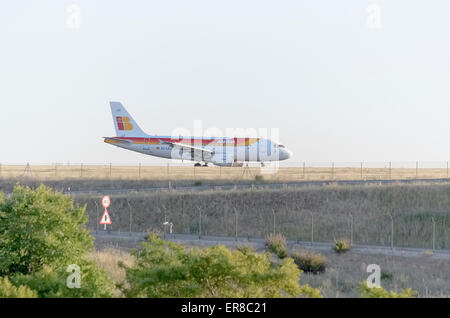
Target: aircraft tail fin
<point x="123" y="122"/>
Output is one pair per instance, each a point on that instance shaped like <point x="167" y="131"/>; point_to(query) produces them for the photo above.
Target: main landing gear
<point x="198" y="164"/>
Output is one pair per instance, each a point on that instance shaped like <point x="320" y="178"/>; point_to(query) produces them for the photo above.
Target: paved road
<point x="131" y="240"/>
<point x="248" y="186"/>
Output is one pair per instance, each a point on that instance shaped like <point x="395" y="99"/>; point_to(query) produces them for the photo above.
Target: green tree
<point x="40" y="235"/>
<point x="379" y="292"/>
<point x="8" y="290"/>
<point x="167" y="269"/>
<point x="50" y="283"/>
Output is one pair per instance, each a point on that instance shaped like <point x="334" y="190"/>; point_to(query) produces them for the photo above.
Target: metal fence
<point x="290" y="171"/>
<point x="428" y="230"/>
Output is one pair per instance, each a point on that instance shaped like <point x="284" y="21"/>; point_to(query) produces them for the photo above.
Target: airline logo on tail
<point x="123" y="123"/>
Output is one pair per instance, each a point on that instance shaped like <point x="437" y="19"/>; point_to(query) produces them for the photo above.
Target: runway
<point x="126" y="240"/>
<point x="172" y="186"/>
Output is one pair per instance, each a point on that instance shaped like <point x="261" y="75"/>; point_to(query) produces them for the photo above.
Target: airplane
<point x="219" y="151"/>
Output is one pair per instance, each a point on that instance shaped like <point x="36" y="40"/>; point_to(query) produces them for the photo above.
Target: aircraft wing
<point x="186" y="146"/>
<point x="116" y="140"/>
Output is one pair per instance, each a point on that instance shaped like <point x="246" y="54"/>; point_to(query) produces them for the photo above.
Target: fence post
<point x="434" y="232"/>
<point x="81" y="170"/>
<point x="200" y="224"/>
<point x="235" y="223"/>
<point x="361" y="170"/>
<point x="351" y="229"/>
<point x="167" y="168"/>
<point x="97" y="219"/>
<point x="0" y="169"/>
<point x="447" y="169"/>
<point x="304" y="170"/>
<point x="417" y="169"/>
<point x="131" y="215"/>
<point x="390" y="170"/>
<point x="332" y="171"/>
<point x="312" y="228"/>
<point x="139" y="171"/>
<point x="110" y="169"/>
<point x="273" y="211"/>
<point x="392" y="231"/>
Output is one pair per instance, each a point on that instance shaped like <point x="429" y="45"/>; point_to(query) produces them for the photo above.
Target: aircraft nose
<point x="285" y="154"/>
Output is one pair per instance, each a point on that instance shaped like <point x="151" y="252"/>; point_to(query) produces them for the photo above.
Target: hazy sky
<point x="341" y="80"/>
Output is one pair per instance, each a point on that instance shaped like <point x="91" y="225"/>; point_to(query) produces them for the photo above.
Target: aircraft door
<point x="147" y="144"/>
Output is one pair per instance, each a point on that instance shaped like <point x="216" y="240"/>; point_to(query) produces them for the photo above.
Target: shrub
<point x="198" y="183"/>
<point x="245" y="249"/>
<point x="341" y="246"/>
<point x="40" y="235"/>
<point x="39" y="227"/>
<point x="259" y="178"/>
<point x="379" y="292"/>
<point x="8" y="290"/>
<point x="309" y="261"/>
<point x="168" y="269"/>
<point x="276" y="244"/>
<point x="386" y="276"/>
<point x="50" y="283"/>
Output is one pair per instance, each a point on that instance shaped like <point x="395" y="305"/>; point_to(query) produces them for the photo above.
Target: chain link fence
<point x="421" y="229"/>
<point x="290" y="171"/>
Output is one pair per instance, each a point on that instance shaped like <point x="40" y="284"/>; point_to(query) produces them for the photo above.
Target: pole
<point x="273" y="211"/>
<point x="447" y="169"/>
<point x="304" y="170"/>
<point x="139" y="170"/>
<point x="392" y="231"/>
<point x="351" y="229"/>
<point x="200" y="225"/>
<point x="417" y="169"/>
<point x="81" y="170"/>
<point x="96" y="207"/>
<point x="235" y="223"/>
<point x="332" y="170"/>
<point x="131" y="215"/>
<point x="390" y="170"/>
<point x="110" y="168"/>
<point x="361" y="170"/>
<point x="434" y="232"/>
<point x="312" y="228"/>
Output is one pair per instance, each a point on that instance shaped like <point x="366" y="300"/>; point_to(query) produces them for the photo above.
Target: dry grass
<point x="430" y="277"/>
<point x="189" y="172"/>
<point x="332" y="210"/>
<point x="108" y="260"/>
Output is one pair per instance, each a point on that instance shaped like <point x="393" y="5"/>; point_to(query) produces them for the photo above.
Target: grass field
<point x="341" y="171"/>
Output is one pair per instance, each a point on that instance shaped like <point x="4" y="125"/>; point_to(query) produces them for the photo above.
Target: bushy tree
<point x="50" y="283"/>
<point x="8" y="290"/>
<point x="167" y="269"/>
<point x="276" y="243"/>
<point x="40" y="235"/>
<point x="379" y="292"/>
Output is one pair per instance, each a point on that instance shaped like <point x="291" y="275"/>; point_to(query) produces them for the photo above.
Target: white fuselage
<point x="219" y="151"/>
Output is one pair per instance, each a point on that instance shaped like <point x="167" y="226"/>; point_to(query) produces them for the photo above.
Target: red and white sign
<point x="106" y="201"/>
<point x="106" y="219"/>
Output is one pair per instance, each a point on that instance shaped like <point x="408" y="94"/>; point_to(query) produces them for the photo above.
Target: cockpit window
<point x="280" y="146"/>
